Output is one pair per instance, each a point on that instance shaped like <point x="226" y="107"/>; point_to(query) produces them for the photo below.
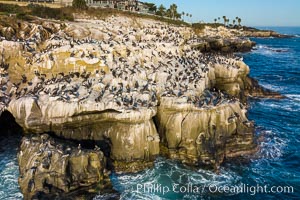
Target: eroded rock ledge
<point x="136" y="89"/>
<point x="204" y="137"/>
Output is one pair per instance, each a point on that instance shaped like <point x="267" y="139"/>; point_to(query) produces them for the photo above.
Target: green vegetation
<point x="152" y="7"/>
<point x="239" y="20"/>
<point x="161" y="10"/>
<point x="53" y="13"/>
<point x="171" y="12"/>
<point x="24" y="12"/>
<point x="106" y="12"/>
<point x="66" y="13"/>
<point x="10" y="8"/>
<point x="227" y="20"/>
<point x="201" y="26"/>
<point x="79" y="4"/>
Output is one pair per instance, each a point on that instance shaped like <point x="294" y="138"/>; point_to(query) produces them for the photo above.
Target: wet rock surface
<point x="52" y="168"/>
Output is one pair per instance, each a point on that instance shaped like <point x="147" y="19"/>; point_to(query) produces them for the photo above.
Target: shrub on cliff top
<point x="53" y="13"/>
<point x="10" y="8"/>
<point x="23" y="12"/>
<point x="79" y="4"/>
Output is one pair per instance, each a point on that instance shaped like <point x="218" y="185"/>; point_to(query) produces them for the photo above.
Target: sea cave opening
<point x="8" y="125"/>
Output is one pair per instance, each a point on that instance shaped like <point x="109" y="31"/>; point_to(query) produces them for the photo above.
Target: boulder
<point x="52" y="167"/>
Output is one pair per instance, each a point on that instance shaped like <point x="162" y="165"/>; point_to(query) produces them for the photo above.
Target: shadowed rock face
<point x="224" y="45"/>
<point x="49" y="167"/>
<point x="134" y="142"/>
<point x="204" y="137"/>
<point x="4" y="84"/>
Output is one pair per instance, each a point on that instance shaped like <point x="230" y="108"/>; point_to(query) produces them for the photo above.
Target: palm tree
<point x="219" y="18"/>
<point x="224" y="18"/>
<point x="182" y="14"/>
<point x="215" y="22"/>
<point x="227" y="21"/>
<point x="233" y="22"/>
<point x="239" y="21"/>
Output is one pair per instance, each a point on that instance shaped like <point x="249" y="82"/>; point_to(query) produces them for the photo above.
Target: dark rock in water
<point x="253" y="32"/>
<point x="253" y="89"/>
<point x="46" y="170"/>
<point x="225" y="45"/>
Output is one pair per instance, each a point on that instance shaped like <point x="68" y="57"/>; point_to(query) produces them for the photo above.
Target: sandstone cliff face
<point x="134" y="142"/>
<point x="50" y="167"/>
<point x="204" y="137"/>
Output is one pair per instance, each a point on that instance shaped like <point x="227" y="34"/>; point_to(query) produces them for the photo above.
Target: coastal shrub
<point x="23" y="16"/>
<point x="106" y="12"/>
<point x="24" y="12"/>
<point x="53" y="13"/>
<point x="201" y="26"/>
<point x="10" y="8"/>
<point x="67" y="13"/>
<point x="79" y="4"/>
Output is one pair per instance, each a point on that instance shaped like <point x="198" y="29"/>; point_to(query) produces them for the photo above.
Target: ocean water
<point x="9" y="169"/>
<point x="276" y="64"/>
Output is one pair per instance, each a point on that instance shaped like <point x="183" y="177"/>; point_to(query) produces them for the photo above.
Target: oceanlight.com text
<point x="212" y="188"/>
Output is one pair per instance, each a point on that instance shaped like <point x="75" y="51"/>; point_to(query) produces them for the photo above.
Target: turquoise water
<point x="276" y="64"/>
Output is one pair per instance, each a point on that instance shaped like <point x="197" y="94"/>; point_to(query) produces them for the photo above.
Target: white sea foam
<point x="273" y="87"/>
<point x="167" y="173"/>
<point x="269" y="51"/>
<point x="295" y="97"/>
<point x="273" y="146"/>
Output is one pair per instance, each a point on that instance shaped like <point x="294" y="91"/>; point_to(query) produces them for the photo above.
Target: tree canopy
<point x="161" y="10"/>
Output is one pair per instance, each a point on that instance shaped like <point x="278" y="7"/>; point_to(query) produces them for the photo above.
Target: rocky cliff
<point x="135" y="88"/>
<point x="230" y="33"/>
<point x="204" y="137"/>
<point x="49" y="167"/>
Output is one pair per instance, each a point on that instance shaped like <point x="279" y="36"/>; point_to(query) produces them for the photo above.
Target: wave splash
<point x="266" y="50"/>
<point x="167" y="173"/>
